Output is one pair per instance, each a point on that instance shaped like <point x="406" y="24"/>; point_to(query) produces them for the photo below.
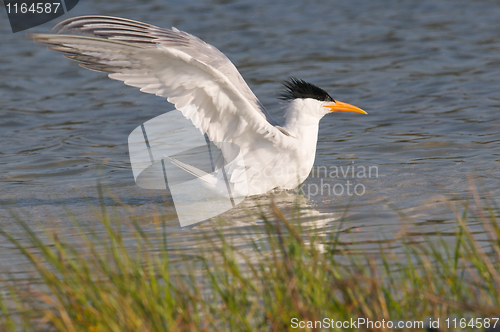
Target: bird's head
<point x="313" y="99"/>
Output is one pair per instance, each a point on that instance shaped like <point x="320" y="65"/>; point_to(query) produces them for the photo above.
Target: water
<point x="427" y="72"/>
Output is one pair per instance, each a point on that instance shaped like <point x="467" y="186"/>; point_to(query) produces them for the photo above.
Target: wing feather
<point x="175" y="65"/>
<point x="147" y="35"/>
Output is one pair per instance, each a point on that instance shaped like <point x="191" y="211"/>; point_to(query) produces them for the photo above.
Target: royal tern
<point x="189" y="72"/>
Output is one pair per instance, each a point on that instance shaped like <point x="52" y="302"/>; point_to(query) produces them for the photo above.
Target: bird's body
<point x="190" y="72"/>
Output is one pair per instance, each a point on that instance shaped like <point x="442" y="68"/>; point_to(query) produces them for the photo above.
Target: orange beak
<point x="344" y="107"/>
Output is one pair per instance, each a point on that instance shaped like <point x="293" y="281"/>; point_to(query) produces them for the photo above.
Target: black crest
<point x="296" y="88"/>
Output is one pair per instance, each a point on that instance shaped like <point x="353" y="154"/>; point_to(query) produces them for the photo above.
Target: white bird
<point x="188" y="71"/>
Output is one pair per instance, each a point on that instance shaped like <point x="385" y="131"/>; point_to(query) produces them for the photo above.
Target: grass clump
<point x="117" y="278"/>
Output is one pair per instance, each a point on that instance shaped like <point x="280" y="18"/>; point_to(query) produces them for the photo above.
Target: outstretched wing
<point x="171" y="64"/>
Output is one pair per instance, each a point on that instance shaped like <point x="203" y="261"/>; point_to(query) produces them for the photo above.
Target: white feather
<point x="189" y="72"/>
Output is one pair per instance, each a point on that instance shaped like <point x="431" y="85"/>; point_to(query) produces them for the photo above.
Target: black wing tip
<point x="296" y="88"/>
<point x="78" y="21"/>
